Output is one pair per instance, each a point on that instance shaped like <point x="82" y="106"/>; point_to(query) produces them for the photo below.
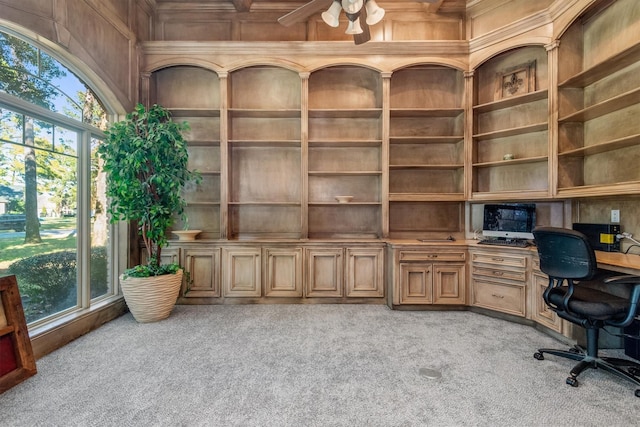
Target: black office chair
<point x="569" y="260"/>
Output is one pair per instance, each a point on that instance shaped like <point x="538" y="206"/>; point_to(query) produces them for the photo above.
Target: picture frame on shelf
<point x="516" y="80"/>
<point x="16" y="355"/>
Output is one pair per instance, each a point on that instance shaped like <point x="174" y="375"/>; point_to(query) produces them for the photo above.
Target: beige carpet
<point x="314" y="365"/>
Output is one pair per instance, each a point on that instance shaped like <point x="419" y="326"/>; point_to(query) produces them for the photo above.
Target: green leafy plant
<point x="145" y="157"/>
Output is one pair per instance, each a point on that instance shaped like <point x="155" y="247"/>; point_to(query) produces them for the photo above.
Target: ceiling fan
<point x="360" y="13"/>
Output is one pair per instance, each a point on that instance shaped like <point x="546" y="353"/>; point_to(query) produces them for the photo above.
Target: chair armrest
<point x="624" y="279"/>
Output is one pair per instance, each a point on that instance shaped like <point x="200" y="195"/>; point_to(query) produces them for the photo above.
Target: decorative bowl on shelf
<point x="344" y="199"/>
<point x="186" y="234"/>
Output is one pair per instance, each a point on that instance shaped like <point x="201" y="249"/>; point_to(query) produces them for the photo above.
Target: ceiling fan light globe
<point x="352" y="6"/>
<point x="374" y="12"/>
<point x="354" y="27"/>
<point x="332" y="16"/>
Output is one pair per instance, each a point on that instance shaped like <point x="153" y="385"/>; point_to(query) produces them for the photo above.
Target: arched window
<point x="54" y="235"/>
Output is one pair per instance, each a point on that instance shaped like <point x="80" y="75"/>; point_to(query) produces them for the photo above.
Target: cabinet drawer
<point x="431" y="256"/>
<point x="500" y="273"/>
<point x="501" y="259"/>
<point x="507" y="298"/>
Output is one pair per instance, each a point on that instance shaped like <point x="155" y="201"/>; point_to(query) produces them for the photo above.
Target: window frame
<point x="86" y="133"/>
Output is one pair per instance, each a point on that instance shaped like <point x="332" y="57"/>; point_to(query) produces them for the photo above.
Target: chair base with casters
<point x="588" y="358"/>
<point x="574" y="294"/>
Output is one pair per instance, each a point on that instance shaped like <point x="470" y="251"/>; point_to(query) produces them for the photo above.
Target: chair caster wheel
<point x="575" y="350"/>
<point x="572" y="381"/>
<point x="539" y="356"/>
<point x="634" y="371"/>
<point x="637" y="392"/>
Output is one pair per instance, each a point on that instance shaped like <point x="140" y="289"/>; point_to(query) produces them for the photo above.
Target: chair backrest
<point x="565" y="253"/>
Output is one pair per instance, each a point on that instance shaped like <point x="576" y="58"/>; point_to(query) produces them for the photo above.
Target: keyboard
<point x="514" y="243"/>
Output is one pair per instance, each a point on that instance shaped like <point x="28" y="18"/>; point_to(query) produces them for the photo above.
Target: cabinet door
<point x="203" y="272"/>
<point x="324" y="272"/>
<point x="448" y="284"/>
<point x="541" y="313"/>
<point x="241" y="272"/>
<point x="365" y="272"/>
<point x="416" y="283"/>
<point x="283" y="269"/>
<point x="168" y="256"/>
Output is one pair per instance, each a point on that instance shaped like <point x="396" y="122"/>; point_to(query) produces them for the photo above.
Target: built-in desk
<point x="616" y="261"/>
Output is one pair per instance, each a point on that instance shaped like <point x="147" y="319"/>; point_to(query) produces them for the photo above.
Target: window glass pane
<point x="10" y="126"/>
<point x="38" y="240"/>
<point x="100" y="283"/>
<point x="42" y="133"/>
<point x="31" y="74"/>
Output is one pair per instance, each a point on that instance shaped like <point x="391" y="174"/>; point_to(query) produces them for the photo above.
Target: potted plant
<point x="145" y="158"/>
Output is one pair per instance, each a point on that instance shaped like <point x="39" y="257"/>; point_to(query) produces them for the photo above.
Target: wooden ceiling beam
<point x="242" y="5"/>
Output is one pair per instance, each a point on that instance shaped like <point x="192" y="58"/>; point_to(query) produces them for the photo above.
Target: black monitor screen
<point x="509" y="220"/>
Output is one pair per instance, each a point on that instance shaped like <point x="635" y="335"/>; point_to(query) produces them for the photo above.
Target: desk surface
<point x="616" y="261"/>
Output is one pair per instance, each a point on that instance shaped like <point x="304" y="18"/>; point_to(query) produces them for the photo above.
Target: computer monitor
<point x="509" y="220"/>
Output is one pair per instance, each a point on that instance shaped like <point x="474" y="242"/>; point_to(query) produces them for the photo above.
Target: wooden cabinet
<point x="598" y="105"/>
<point x="202" y="272"/>
<point x="499" y="281"/>
<point x="428" y="275"/>
<point x="324" y="272"/>
<point x="350" y="271"/>
<point x="426" y="151"/>
<point x="283" y="272"/>
<point x="241" y="272"/>
<point x="540" y="312"/>
<point x="345" y="152"/>
<point x="364" y="272"/>
<point x="510" y="141"/>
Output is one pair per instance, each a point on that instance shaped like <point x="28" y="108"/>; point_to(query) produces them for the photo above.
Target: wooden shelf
<point x="203" y="204"/>
<point x="270" y="203"/>
<point x="603" y="69"/>
<point x="511" y="101"/>
<point x="511" y="195"/>
<point x="603" y="147"/>
<point x="426" y="112"/>
<point x="344" y="142"/>
<point x="194" y="112"/>
<point x="265" y="113"/>
<point x="443" y="139"/>
<point x="538" y="127"/>
<point x="605" y="107"/>
<point x="6" y="330"/>
<point x="264" y="143"/>
<point x="204" y="143"/>
<point x="428" y="166"/>
<point x="512" y="162"/>
<point x="365" y="113"/>
<point x="426" y="197"/>
<point x="620" y="188"/>
<point x="345" y="173"/>
<point x="352" y="203"/>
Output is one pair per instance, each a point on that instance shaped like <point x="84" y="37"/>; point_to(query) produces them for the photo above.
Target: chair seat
<point x="591" y="303"/>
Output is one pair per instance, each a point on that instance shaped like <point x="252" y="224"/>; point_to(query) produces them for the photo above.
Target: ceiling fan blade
<point x="303" y="12"/>
<point x="365" y="36"/>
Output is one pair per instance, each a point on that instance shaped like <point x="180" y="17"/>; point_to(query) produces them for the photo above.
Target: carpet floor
<point x="314" y="365"/>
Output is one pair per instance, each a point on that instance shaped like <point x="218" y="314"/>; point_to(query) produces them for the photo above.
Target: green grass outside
<point x="14" y="248"/>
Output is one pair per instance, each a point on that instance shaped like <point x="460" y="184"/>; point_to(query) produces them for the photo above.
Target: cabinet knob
<point x="498" y="273"/>
<point x="498" y="259"/>
<point x="432" y="256"/>
<point x="497" y="296"/>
